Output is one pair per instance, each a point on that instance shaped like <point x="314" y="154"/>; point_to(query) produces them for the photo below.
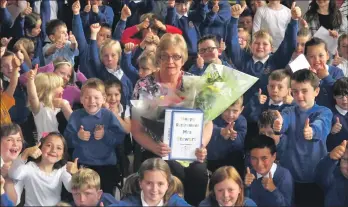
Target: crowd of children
<point x="67" y="132"/>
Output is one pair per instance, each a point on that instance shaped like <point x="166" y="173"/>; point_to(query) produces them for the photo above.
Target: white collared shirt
<point x="271" y="102"/>
<point x="273" y="169"/>
<point x="341" y="111"/>
<point x="126" y="113"/>
<point x="117" y="73"/>
<point x="179" y="15"/>
<point x="136" y="1"/>
<point x="344" y="67"/>
<point x="262" y="60"/>
<point x="143" y="202"/>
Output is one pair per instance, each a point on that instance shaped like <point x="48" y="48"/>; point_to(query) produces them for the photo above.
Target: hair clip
<point x="44" y="134"/>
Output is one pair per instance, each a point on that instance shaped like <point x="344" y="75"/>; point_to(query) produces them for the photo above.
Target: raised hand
<point x="234" y="133"/>
<point x="3" y="4"/>
<point x="5" y="41"/>
<point x="144" y="25"/>
<point x="95" y="8"/>
<point x="28" y="10"/>
<point x="160" y="25"/>
<point x="32" y="73"/>
<point x="262" y="98"/>
<point x="72" y="167"/>
<point x="76" y="7"/>
<point x="33" y="152"/>
<point x="87" y="8"/>
<point x="322" y="72"/>
<point x="99" y="132"/>
<point x="338" y="152"/>
<point x="295" y="11"/>
<point x="304" y="23"/>
<point x="307" y="131"/>
<point x="201" y="154"/>
<point x="216" y="8"/>
<point x="288" y="99"/>
<point x="268" y="183"/>
<point x="128" y="47"/>
<point x="83" y="135"/>
<point x="278" y="123"/>
<point x="171" y="3"/>
<point x="249" y="177"/>
<point x="225" y="132"/>
<point x="237" y="10"/>
<point x="333" y="33"/>
<point x="95" y="28"/>
<point x="125" y="13"/>
<point x="337" y="59"/>
<point x="336" y="128"/>
<point x="199" y="62"/>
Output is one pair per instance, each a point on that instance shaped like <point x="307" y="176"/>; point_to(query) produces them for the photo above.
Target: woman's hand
<point x="162" y="149"/>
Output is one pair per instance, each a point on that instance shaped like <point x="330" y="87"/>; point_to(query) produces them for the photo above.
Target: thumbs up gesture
<point x="337" y="59"/>
<point x="32" y="73"/>
<point x="200" y="62"/>
<point x="336" y="128"/>
<point x="3" y="4"/>
<point x="304" y="23"/>
<point x="268" y="183"/>
<point x="237" y="10"/>
<point x="333" y="33"/>
<point x="95" y="8"/>
<point x="76" y="7"/>
<point x="171" y="3"/>
<point x="262" y="98"/>
<point x="216" y="8"/>
<point x="83" y="135"/>
<point x="338" y="152"/>
<point x="28" y="10"/>
<point x="288" y="98"/>
<point x="99" y="132"/>
<point x="72" y="167"/>
<point x="234" y="133"/>
<point x="278" y="123"/>
<point x="88" y="7"/>
<point x="125" y="13"/>
<point x="307" y="131"/>
<point x="249" y="177"/>
<point x="295" y="11"/>
<point x="33" y="152"/>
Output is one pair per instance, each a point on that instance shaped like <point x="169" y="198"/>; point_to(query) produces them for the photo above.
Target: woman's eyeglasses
<point x="166" y="57"/>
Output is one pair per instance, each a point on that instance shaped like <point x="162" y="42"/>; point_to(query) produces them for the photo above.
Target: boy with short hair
<point x="85" y="186"/>
<point x="227" y="143"/>
<point x="307" y="126"/>
<point x="94" y="132"/>
<point x="259" y="62"/>
<point x="208" y="52"/>
<point x="62" y="44"/>
<point x="339" y="130"/>
<point x="334" y="178"/>
<point x="276" y="186"/>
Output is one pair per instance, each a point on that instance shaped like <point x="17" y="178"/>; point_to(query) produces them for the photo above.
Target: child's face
<point x="342" y="101"/>
<point x="304" y="94"/>
<point x="232" y="113"/>
<point x="58" y="92"/>
<point x="11" y="146"/>
<point x="52" y="149"/>
<point x="208" y="50"/>
<point x="110" y="57"/>
<point x="243" y="38"/>
<point x="344" y="164"/>
<point x="113" y="96"/>
<point x="301" y="41"/>
<point x="316" y="56"/>
<point x="227" y="192"/>
<point x="92" y="100"/>
<point x="146" y="70"/>
<point x="86" y="196"/>
<point x="61" y="35"/>
<point x="6" y="66"/>
<point x="103" y="34"/>
<point x="64" y="71"/>
<point x="278" y="90"/>
<point x="262" y="160"/>
<point x="36" y="31"/>
<point x="247" y="23"/>
<point x="182" y="8"/>
<point x="261" y="47"/>
<point x="154" y="185"/>
<point x="323" y="3"/>
<point x="343" y="48"/>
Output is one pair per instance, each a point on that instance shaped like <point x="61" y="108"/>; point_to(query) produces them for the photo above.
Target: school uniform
<point x="104" y="16"/>
<point x="210" y="201"/>
<point x="301" y="156"/>
<point x="223" y="152"/>
<point x="247" y="63"/>
<point x="138" y="8"/>
<point x="138" y="200"/>
<point x="128" y="68"/>
<point x="330" y="178"/>
<point x="281" y="196"/>
<point x="5" y="200"/>
<point x="97" y="154"/>
<point x="333" y="140"/>
<point x="198" y="71"/>
<point x="119" y="29"/>
<point x="6" y="22"/>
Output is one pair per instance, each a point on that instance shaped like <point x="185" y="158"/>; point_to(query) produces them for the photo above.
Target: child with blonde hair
<point x="45" y="92"/>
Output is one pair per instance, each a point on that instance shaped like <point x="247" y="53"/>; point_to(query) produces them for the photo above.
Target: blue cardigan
<point x="210" y="201"/>
<point x="174" y="200"/>
<point x="5" y="200"/>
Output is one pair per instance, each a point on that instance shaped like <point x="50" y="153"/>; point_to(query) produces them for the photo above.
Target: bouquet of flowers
<point x="213" y="93"/>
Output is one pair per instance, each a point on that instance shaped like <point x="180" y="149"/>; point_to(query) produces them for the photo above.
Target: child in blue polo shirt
<point x="332" y="178"/>
<point x="307" y="126"/>
<point x="339" y="130"/>
<point x="273" y="184"/>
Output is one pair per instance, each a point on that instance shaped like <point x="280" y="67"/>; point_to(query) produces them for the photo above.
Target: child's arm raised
<point x="126" y="63"/>
<point x="320" y="127"/>
<point x="106" y="17"/>
<point x="64" y="106"/>
<point x="5" y="15"/>
<point x="14" y="76"/>
<point x="171" y="14"/>
<point x="31" y="89"/>
<point x="95" y="59"/>
<point x="77" y="28"/>
<point x="121" y="24"/>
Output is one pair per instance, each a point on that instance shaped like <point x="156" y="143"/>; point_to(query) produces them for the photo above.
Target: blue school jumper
<point x="301" y="156"/>
<point x="197" y="71"/>
<point x="330" y="178"/>
<point x="174" y="200"/>
<point x="94" y="152"/>
<point x="218" y="148"/>
<point x="244" y="62"/>
<point x="210" y="201"/>
<point x="5" y="22"/>
<point x="325" y="96"/>
<point x="281" y="196"/>
<point x="188" y="25"/>
<point x="128" y="68"/>
<point x="104" y="16"/>
<point x="215" y="23"/>
<point x="138" y="9"/>
<point x="5" y="200"/>
<point x="333" y="140"/>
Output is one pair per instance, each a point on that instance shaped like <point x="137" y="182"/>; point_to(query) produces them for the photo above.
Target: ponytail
<point x="131" y="186"/>
<point x="175" y="187"/>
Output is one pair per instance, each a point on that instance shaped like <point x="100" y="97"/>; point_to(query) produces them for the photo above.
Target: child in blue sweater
<point x="208" y="52"/>
<point x="62" y="43"/>
<point x="96" y="12"/>
<point x="227" y="142"/>
<point x="339" y="130"/>
<point x="276" y="186"/>
<point x="260" y="62"/>
<point x="332" y="178"/>
<point x="307" y="126"/>
<point x="94" y="132"/>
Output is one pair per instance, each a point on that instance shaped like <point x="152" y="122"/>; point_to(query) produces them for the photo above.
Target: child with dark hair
<point x="307" y="126"/>
<point x="276" y="186"/>
<point x="246" y="20"/>
<point x="339" y="130"/>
